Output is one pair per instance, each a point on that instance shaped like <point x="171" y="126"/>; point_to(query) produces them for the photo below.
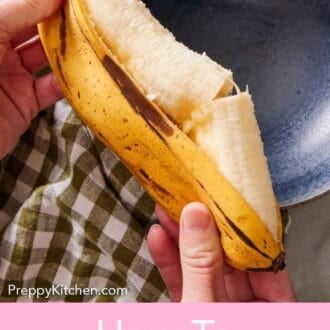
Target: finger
<point x="33" y="56"/>
<point x="202" y="258"/>
<point x="23" y="36"/>
<point x="238" y="285"/>
<point x="272" y="287"/>
<point x="17" y="15"/>
<point x="47" y="91"/>
<point x="167" y="259"/>
<point x="170" y="226"/>
<point x="8" y="115"/>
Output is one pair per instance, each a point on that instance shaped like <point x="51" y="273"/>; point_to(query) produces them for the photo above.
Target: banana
<point x="160" y="124"/>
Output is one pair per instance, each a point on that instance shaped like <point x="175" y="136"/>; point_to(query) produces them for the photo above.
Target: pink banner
<point x="164" y="316"/>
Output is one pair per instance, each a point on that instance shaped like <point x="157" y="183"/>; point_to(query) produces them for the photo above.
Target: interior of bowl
<point x="281" y="50"/>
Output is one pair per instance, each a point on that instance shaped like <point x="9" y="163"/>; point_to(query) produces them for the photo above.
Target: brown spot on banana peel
<point x="135" y="97"/>
<point x="277" y="263"/>
<point x="238" y="232"/>
<point x="144" y="174"/>
<point x="244" y="238"/>
<point x="59" y="68"/>
<point x="63" y="33"/>
<point x="155" y="185"/>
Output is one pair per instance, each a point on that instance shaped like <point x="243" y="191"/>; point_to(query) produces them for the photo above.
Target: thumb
<point x="17" y="15"/>
<point x="201" y="255"/>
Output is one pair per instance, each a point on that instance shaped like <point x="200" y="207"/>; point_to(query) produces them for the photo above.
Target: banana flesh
<point x="168" y="163"/>
<point x="227" y="131"/>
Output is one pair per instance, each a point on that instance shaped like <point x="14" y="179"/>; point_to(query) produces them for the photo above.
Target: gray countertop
<point x="308" y="250"/>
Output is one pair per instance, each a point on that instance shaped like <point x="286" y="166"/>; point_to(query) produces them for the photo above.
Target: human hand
<point x="21" y="94"/>
<point x="191" y="263"/>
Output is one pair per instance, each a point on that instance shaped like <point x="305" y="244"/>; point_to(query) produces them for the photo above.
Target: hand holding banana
<point x="191" y="263"/>
<point x="167" y="112"/>
<point x="21" y="95"/>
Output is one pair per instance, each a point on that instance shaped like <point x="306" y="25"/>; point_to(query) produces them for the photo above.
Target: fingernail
<point x="152" y="225"/>
<point x="195" y="217"/>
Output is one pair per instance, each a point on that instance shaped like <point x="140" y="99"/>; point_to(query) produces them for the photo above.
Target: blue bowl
<point x="281" y="50"/>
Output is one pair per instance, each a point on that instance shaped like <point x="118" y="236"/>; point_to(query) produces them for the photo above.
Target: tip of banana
<point x="279" y="263"/>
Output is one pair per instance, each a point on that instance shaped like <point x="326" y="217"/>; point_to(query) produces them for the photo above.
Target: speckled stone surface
<point x="308" y="250"/>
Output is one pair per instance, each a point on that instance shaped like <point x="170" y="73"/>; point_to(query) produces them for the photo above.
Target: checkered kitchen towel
<point x="71" y="216"/>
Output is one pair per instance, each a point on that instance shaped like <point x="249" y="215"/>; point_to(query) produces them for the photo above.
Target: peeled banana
<point x="167" y="112"/>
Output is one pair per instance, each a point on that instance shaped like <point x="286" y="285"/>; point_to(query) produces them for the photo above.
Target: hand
<point x="21" y="95"/>
<point x="191" y="263"/>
